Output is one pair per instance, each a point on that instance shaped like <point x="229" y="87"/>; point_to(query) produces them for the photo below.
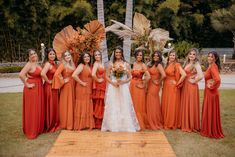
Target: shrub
<point x="12" y="69"/>
<point x="182" y="47"/>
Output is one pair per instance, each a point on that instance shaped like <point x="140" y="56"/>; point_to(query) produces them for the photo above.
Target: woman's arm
<point x="162" y="72"/>
<point x="76" y="73"/>
<point x="108" y="76"/>
<point x="23" y="75"/>
<point x="58" y="80"/>
<point x="128" y="67"/>
<point x="44" y="71"/>
<point x="94" y="70"/>
<point x="182" y="75"/>
<point x="146" y="73"/>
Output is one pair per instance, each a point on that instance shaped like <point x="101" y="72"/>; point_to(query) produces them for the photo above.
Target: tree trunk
<point x="233" y="57"/>
<point x="128" y="22"/>
<point x="100" y="15"/>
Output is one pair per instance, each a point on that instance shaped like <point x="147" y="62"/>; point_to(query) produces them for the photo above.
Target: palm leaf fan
<point x="141" y="24"/>
<point x="95" y="28"/>
<point x="61" y="41"/>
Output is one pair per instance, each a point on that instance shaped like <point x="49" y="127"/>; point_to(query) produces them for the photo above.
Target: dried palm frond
<point x="141" y="24"/>
<point x="159" y="35"/>
<point x="61" y="42"/>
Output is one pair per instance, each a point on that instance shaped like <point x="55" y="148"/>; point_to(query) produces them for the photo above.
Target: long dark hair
<point x="81" y="59"/>
<point x="217" y="58"/>
<point x="118" y="48"/>
<point x="46" y="59"/>
<point x="152" y="62"/>
<point x="137" y="52"/>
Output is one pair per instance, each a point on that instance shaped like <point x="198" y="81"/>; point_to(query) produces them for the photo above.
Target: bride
<point x="119" y="114"/>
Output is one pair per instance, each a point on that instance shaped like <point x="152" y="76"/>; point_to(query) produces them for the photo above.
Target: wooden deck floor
<point x="110" y="144"/>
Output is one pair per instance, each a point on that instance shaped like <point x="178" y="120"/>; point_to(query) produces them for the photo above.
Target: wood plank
<point x="111" y="144"/>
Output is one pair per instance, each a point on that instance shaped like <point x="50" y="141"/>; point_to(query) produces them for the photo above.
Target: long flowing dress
<point x="211" y="120"/>
<point x="66" y="100"/>
<point x="83" y="110"/>
<point x="153" y="106"/>
<point x="51" y="99"/>
<point x="139" y="98"/>
<point x="190" y="104"/>
<point x="119" y="114"/>
<point x="98" y="94"/>
<point x="33" y="106"/>
<point x="171" y="98"/>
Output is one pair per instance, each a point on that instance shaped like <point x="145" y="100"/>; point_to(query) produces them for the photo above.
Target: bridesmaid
<point x="83" y="110"/>
<point x="211" y="121"/>
<point x="157" y="74"/>
<point x="137" y="88"/>
<point x="33" y="107"/>
<point x="51" y="96"/>
<point x="190" y="104"/>
<point x="63" y="80"/>
<point x="171" y="92"/>
<point x="99" y="86"/>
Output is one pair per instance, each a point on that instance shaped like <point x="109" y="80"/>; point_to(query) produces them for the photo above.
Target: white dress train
<point x="119" y="113"/>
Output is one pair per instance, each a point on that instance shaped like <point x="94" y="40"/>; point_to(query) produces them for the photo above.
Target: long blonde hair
<point x="196" y="59"/>
<point x="176" y="57"/>
<point x="71" y="63"/>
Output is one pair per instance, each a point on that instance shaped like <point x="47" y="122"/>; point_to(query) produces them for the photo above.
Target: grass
<point x="13" y="142"/>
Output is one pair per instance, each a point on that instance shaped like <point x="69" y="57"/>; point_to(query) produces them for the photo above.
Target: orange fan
<point x="62" y="40"/>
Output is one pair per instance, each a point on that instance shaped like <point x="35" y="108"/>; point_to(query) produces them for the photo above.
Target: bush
<point x="182" y="47"/>
<point x="10" y="69"/>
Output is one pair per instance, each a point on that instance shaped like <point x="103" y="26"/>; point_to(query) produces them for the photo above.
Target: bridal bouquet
<point x="118" y="71"/>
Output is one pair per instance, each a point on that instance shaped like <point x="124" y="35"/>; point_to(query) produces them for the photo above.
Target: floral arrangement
<point x="76" y="41"/>
<point x="118" y="71"/>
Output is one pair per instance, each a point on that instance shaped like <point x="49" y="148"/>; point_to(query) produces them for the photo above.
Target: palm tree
<point x="100" y="14"/>
<point x="224" y="20"/>
<point x="128" y="22"/>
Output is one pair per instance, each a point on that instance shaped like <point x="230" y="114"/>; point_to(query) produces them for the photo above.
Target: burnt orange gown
<point x="190" y="105"/>
<point x="66" y="100"/>
<point x="138" y="96"/>
<point x="51" y="100"/>
<point x="33" y="106"/>
<point x="153" y="106"/>
<point x="171" y="98"/>
<point x="211" y="121"/>
<point x="98" y="95"/>
<point x="83" y="110"/>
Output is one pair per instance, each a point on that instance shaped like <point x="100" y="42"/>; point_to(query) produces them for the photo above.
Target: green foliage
<point x="174" y="5"/>
<point x="10" y="69"/>
<point x="182" y="47"/>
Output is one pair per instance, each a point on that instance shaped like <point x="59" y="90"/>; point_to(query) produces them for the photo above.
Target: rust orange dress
<point x="153" y="106"/>
<point x="98" y="95"/>
<point x="51" y="99"/>
<point x="211" y="121"/>
<point x="171" y="97"/>
<point x="66" y="100"/>
<point x="138" y="96"/>
<point x="83" y="110"/>
<point x="33" y="106"/>
<point x="190" y="105"/>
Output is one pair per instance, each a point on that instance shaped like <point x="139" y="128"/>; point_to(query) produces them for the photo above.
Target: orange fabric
<point x="98" y="95"/>
<point x="66" y="101"/>
<point x="171" y="98"/>
<point x="211" y="120"/>
<point x="33" y="106"/>
<point x="139" y="98"/>
<point x="51" y="99"/>
<point x="153" y="106"/>
<point x="83" y="111"/>
<point x="190" y="105"/>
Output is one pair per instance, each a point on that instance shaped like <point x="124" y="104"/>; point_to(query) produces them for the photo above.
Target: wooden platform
<point x="110" y="144"/>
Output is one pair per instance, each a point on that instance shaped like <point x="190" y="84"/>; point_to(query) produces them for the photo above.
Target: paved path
<point x="11" y="85"/>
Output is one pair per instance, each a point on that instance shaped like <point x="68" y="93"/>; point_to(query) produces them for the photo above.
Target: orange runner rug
<point x="111" y="144"/>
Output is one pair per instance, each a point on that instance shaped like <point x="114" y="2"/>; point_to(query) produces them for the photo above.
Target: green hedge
<point x="13" y="69"/>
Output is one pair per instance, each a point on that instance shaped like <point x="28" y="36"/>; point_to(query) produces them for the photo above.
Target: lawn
<point x="13" y="142"/>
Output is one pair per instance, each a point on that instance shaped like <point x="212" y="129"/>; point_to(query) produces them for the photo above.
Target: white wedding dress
<point x="119" y="113"/>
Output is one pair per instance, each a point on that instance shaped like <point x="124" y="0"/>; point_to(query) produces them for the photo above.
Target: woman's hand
<point x="66" y="80"/>
<point x="100" y="80"/>
<point x="115" y="84"/>
<point x="30" y="85"/>
<point x="156" y="82"/>
<point x="84" y="84"/>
